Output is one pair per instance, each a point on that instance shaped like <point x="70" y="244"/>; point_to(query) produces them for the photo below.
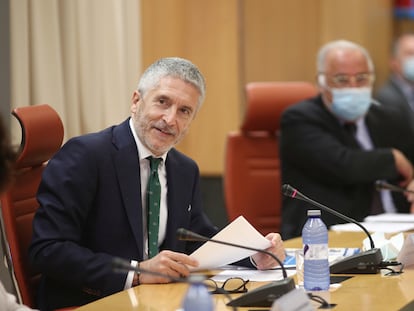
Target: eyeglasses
<point x="229" y="286"/>
<point x="343" y="80"/>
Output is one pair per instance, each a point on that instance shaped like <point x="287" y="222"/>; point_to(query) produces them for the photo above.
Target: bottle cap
<point x="314" y="212"/>
<point x="196" y="278"/>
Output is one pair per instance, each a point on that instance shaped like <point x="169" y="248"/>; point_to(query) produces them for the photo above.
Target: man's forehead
<point x="346" y="60"/>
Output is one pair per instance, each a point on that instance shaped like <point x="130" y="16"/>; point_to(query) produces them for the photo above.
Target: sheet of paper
<point x="390" y="247"/>
<point x="390" y="217"/>
<point x="406" y="255"/>
<point x="253" y="275"/>
<point x="375" y="227"/>
<point x="212" y="255"/>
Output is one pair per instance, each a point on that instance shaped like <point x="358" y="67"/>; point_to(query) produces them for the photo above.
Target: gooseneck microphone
<point x="382" y="185"/>
<point x="367" y="262"/>
<point x="263" y="296"/>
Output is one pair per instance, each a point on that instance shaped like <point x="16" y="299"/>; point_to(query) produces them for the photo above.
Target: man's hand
<point x="404" y="167"/>
<point x="173" y="264"/>
<point x="264" y="261"/>
<point x="410" y="196"/>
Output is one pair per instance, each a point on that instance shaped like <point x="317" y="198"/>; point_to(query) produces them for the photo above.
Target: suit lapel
<point x="128" y="174"/>
<point x="179" y="199"/>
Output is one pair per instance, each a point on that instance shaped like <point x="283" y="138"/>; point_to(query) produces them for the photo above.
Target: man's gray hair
<point x="342" y="45"/>
<point x="172" y="67"/>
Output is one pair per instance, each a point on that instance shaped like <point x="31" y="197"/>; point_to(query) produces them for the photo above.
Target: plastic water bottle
<point x="315" y="252"/>
<point x="197" y="297"/>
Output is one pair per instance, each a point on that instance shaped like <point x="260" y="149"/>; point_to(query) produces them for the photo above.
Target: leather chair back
<point x="252" y="174"/>
<point x="42" y="136"/>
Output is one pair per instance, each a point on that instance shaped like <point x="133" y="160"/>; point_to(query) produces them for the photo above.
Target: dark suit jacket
<point x="323" y="162"/>
<point x="90" y="211"/>
<point x="391" y="93"/>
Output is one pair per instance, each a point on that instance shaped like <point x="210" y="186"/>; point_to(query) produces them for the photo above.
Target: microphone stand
<point x="382" y="185"/>
<point x="367" y="262"/>
<point x="263" y="296"/>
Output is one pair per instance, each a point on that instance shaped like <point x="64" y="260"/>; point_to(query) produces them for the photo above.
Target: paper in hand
<point x="213" y="255"/>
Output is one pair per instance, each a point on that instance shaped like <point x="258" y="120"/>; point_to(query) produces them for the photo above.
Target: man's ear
<point x="135" y="97"/>
<point x="134" y="101"/>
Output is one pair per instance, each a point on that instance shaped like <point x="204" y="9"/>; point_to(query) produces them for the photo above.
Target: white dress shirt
<point x="144" y="164"/>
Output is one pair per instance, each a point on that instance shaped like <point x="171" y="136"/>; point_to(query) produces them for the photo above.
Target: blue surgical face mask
<point x="349" y="104"/>
<point x="408" y="68"/>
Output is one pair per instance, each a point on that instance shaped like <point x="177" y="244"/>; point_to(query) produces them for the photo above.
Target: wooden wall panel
<point x="238" y="41"/>
<point x="280" y="39"/>
<point x="206" y="32"/>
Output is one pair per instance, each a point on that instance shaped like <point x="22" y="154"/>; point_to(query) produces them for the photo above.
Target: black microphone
<point x="382" y="185"/>
<point x="367" y="262"/>
<point x="263" y="296"/>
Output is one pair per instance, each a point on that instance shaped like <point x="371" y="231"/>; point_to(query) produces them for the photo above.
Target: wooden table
<point x="361" y="292"/>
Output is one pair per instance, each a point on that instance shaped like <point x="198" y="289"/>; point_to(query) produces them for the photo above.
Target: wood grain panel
<point x="238" y="41"/>
<point x="206" y="32"/>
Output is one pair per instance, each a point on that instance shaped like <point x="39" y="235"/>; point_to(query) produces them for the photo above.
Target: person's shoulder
<point x="306" y="108"/>
<point x="395" y="110"/>
<point x="388" y="91"/>
<point x="178" y="158"/>
<point x="107" y="135"/>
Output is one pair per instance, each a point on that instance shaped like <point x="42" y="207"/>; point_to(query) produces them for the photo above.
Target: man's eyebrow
<point x="162" y="96"/>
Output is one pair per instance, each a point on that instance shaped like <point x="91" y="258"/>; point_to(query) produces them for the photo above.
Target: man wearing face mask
<point x="399" y="88"/>
<point x="335" y="146"/>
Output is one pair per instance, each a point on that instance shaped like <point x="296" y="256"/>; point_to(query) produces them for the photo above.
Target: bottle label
<point x="315" y="251"/>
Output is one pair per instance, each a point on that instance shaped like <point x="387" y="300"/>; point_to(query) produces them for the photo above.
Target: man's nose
<point x="170" y="115"/>
<point x="353" y="82"/>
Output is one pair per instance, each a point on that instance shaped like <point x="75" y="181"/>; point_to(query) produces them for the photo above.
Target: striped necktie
<point x="153" y="206"/>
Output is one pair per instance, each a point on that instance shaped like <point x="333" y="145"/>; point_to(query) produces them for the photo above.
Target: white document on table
<point x="386" y="227"/>
<point x="390" y="217"/>
<point x="213" y="255"/>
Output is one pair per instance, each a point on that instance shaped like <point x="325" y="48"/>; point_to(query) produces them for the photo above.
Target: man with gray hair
<point x="124" y="192"/>
<point x="335" y="146"/>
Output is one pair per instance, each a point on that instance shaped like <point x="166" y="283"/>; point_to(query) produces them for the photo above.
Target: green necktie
<point x="153" y="206"/>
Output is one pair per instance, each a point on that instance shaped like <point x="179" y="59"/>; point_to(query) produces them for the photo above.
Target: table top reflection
<point x="360" y="292"/>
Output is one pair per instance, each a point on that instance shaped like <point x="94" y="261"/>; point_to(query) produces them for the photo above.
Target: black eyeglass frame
<point x="221" y="289"/>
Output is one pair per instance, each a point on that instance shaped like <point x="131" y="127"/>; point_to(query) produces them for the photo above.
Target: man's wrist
<point x="136" y="280"/>
<point x="253" y="262"/>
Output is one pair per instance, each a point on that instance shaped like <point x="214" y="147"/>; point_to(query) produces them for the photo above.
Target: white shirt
<point x="144" y="164"/>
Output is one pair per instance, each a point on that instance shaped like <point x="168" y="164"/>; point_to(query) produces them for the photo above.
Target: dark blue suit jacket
<point x="90" y="211"/>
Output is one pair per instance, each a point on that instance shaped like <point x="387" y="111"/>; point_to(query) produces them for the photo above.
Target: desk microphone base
<point x="367" y="262"/>
<point x="265" y="295"/>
